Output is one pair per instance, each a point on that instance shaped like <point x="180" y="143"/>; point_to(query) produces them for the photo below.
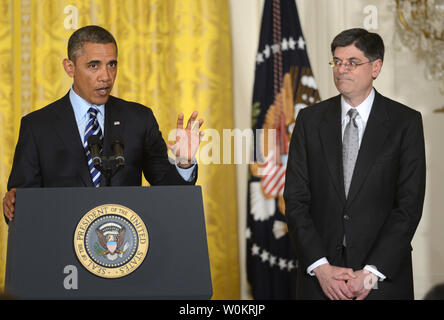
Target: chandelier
<point x="420" y="26"/>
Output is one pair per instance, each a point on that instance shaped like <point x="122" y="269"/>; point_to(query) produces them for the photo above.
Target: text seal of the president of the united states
<point x="111" y="241"/>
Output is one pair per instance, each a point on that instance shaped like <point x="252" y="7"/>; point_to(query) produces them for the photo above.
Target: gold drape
<point x="174" y="56"/>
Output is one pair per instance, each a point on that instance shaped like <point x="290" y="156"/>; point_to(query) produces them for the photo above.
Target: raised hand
<point x="187" y="140"/>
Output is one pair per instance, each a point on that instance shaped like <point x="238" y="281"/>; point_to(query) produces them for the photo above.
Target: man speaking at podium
<point x="53" y="151"/>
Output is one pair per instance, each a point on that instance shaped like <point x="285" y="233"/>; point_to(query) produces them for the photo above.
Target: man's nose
<point x="343" y="68"/>
<point x="104" y="74"/>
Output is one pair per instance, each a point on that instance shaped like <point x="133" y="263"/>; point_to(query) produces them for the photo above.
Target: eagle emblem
<point x="111" y="236"/>
<point x="107" y="242"/>
<point x="278" y="126"/>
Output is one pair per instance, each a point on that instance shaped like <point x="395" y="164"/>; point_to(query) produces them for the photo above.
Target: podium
<point x="89" y="243"/>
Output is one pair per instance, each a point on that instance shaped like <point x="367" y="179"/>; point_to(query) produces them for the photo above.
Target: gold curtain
<point x="174" y="56"/>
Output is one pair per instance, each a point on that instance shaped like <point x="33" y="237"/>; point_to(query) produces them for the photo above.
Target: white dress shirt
<point x="361" y="120"/>
<point x="81" y="107"/>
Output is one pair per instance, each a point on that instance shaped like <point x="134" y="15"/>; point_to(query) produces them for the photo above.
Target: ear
<point x="69" y="67"/>
<point x="376" y="68"/>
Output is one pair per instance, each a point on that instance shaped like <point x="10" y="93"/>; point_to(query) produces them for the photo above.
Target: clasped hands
<point x="339" y="283"/>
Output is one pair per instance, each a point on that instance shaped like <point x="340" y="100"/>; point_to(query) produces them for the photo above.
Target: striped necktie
<point x="92" y="128"/>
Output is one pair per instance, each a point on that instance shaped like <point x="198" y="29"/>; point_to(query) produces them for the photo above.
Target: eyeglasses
<point x="350" y="66"/>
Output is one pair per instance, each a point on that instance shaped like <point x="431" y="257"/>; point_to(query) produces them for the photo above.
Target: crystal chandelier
<point x="420" y="26"/>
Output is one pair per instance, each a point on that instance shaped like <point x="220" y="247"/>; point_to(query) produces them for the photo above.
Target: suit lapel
<point x="66" y="128"/>
<point x="114" y="125"/>
<point x="375" y="135"/>
<point x="331" y="138"/>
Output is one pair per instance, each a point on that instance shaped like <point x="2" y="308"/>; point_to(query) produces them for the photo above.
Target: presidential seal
<point x="111" y="241"/>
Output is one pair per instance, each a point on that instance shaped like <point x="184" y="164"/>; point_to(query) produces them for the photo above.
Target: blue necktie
<point x="92" y="128"/>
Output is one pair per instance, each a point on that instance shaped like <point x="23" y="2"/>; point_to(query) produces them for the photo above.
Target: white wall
<point x="402" y="79"/>
<point x="245" y="26"/>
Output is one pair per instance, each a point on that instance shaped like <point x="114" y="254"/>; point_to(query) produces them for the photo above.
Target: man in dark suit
<point x="52" y="149"/>
<point x="355" y="183"/>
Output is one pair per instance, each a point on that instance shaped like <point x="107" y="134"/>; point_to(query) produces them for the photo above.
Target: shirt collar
<point x="363" y="109"/>
<point x="81" y="106"/>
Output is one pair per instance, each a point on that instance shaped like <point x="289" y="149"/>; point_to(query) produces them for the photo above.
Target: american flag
<point x="283" y="84"/>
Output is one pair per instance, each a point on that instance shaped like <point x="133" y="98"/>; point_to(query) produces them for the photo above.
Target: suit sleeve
<point x="26" y="171"/>
<point x="302" y="230"/>
<point x="395" y="237"/>
<point x="157" y="167"/>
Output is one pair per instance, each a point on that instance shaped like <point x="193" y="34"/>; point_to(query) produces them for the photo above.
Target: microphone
<point x="117" y="146"/>
<point x="94" y="145"/>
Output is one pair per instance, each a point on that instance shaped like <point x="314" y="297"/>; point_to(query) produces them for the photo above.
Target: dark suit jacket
<point x="50" y="153"/>
<point x="385" y="201"/>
